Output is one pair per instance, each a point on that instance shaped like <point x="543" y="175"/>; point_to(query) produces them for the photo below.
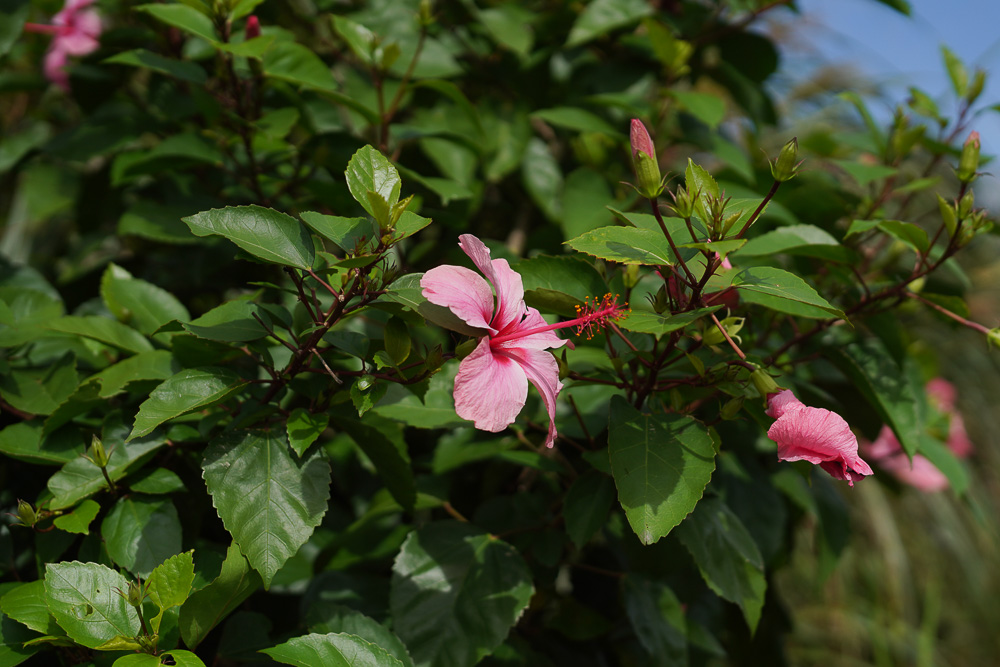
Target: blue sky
<point x="897" y="51"/>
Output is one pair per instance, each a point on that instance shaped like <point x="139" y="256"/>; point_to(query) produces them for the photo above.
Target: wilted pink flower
<point x="75" y="31"/>
<point x="942" y="395"/>
<point x="492" y="382"/>
<point x="816" y="435"/>
<point x="889" y="455"/>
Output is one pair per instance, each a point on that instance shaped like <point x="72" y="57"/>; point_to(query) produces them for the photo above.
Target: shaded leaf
<point x="140" y="533"/>
<point x="205" y="608"/>
<point x="85" y="602"/>
<point x="262" y="232"/>
<point x="333" y="650"/>
<point x="189" y="390"/>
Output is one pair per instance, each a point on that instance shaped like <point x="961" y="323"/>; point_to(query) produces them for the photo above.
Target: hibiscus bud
<point x="993" y="336"/>
<point x="969" y="162"/>
<point x="253" y="27"/>
<point x="135" y="593"/>
<point x="764" y="383"/>
<point x="97" y="454"/>
<point x="684" y="202"/>
<point x="948" y="214"/>
<point x="965" y="204"/>
<point x="647" y="171"/>
<point x="731" y="408"/>
<point x="714" y="335"/>
<point x="434" y="359"/>
<point x="26" y="513"/>
<point x="630" y="276"/>
<point x="426" y="13"/>
<point x="786" y="165"/>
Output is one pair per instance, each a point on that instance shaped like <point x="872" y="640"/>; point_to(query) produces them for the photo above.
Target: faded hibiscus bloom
<point x="75" y="31"/>
<point x="888" y="454"/>
<point x="492" y="382"/>
<point x="815" y="435"/>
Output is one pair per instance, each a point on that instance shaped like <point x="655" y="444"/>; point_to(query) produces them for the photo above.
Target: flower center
<point x="590" y="318"/>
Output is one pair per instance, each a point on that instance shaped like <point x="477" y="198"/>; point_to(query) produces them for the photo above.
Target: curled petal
<point x="780" y="403"/>
<point x="821" y="437"/>
<point x="507" y="282"/>
<point x="462" y="291"/>
<point x="490" y="389"/>
<point x="543" y="372"/>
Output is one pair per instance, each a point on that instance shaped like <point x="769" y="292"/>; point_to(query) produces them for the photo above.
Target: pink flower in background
<point x="942" y="394"/>
<point x="492" y="382"/>
<point x="815" y="435"/>
<point x="75" y="31"/>
<point x="889" y="455"/>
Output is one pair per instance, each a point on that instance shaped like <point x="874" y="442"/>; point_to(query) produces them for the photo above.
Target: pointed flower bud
<point x="26" y="513"/>
<point x="714" y="336"/>
<point x="969" y="162"/>
<point x="97" y="454"/>
<point x="647" y="170"/>
<point x="948" y="214"/>
<point x="136" y="593"/>
<point x="253" y="27"/>
<point x="786" y="165"/>
<point x="764" y="383"/>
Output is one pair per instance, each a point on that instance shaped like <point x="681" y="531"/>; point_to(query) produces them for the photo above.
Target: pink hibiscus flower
<point x="492" y="382"/>
<point x="889" y="455"/>
<point x="75" y="31"/>
<point x="816" y="435"/>
<point x="942" y="394"/>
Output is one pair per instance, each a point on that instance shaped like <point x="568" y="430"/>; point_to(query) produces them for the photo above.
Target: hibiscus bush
<point x="452" y="333"/>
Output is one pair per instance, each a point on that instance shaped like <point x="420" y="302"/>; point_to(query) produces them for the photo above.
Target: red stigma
<point x="594" y="315"/>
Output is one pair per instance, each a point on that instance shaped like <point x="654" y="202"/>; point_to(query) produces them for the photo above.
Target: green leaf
<point x="944" y="460"/>
<point x="186" y="18"/>
<point x="350" y="234"/>
<point x="956" y="71"/>
<point x="156" y="481"/>
<point x="657" y="618"/>
<point x="577" y="119"/>
<point x="389" y="455"/>
<point x="268" y="499"/>
<point x="874" y="373"/>
<point x="157" y="222"/>
<point x="709" y="109"/>
<point x="189" y="390"/>
<point x="542" y="178"/>
<point x="602" y="16"/>
<point x="661" y="466"/>
<point x="341" y="619"/>
<point x="26" y="441"/>
<point x="644" y="321"/>
<point x="304" y="427"/>
<point x="205" y="608"/>
<point x="807" y="240"/>
<point x="436" y="410"/>
<point x="775" y="288"/>
<point x="231" y="322"/>
<point x="155" y="365"/>
<point x="456" y="592"/>
<point x="80" y="478"/>
<point x="727" y="556"/>
<point x="409" y="223"/>
<point x="901" y="6"/>
<point x="26" y="604"/>
<point x="397" y="340"/>
<point x="560" y="283"/>
<point x="263" y="232"/>
<point x="509" y="25"/>
<point x="370" y="170"/>
<point x="628" y="245"/>
<point x="907" y="232"/>
<point x="16" y="146"/>
<point x="84" y="599"/>
<point x="79" y="520"/>
<point x="23" y="313"/>
<point x="13" y="14"/>
<point x="169" y="584"/>
<point x="587" y="505"/>
<point x="699" y="182"/>
<point x="178" y="658"/>
<point x="140" y="533"/>
<point x="180" y="69"/>
<point x="104" y="330"/>
<point x="40" y="391"/>
<point x="333" y="650"/>
<point x="585" y="195"/>
<point x="144" y="305"/>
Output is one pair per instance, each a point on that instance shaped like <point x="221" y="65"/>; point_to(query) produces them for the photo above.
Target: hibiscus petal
<point x="780" y="403"/>
<point x="490" y="389"/>
<point x="507" y="282"/>
<point x="462" y="291"/>
<point x="55" y="68"/>
<point x="543" y="372"/>
<point x="820" y="437"/>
